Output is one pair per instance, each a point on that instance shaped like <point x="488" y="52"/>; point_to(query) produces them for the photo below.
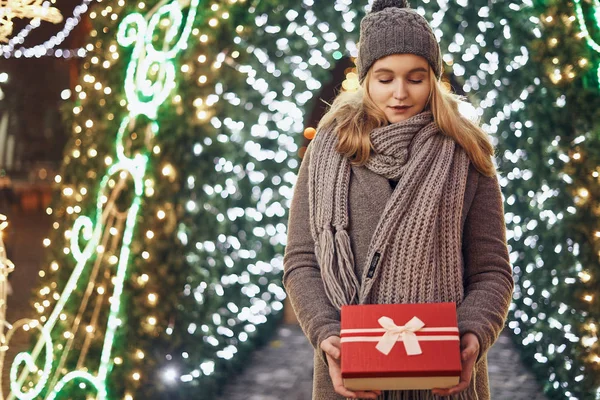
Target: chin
<point x="392" y="119"/>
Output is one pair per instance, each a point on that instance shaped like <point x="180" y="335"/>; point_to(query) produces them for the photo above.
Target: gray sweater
<point x="488" y="282"/>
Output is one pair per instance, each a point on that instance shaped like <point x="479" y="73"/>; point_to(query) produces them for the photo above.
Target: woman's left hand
<point x="469" y="345"/>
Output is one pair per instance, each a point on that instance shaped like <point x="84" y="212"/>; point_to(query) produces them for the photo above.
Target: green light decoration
<point x="144" y="97"/>
<point x="582" y="24"/>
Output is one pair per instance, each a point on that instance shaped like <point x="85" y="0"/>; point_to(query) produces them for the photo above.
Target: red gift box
<point x="400" y="346"/>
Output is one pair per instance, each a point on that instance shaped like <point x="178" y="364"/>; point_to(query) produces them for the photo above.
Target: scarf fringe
<point x="337" y="267"/>
<point x="335" y="292"/>
<point x="348" y="277"/>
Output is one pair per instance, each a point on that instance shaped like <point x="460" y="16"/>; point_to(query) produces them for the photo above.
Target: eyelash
<point x="411" y="81"/>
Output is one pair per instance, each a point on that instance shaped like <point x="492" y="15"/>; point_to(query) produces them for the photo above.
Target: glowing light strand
<point x="143" y="100"/>
<point x="33" y="9"/>
<point x="47" y="48"/>
<point x="582" y="25"/>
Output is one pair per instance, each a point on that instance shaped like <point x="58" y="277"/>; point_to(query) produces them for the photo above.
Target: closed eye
<point x="410" y="80"/>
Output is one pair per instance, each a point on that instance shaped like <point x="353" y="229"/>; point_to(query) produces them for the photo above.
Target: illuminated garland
<point x="47" y="48"/>
<point x="144" y="99"/>
<point x="584" y="30"/>
<point x="32" y="9"/>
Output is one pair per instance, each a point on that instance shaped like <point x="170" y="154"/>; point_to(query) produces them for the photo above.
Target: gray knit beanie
<point x="393" y="28"/>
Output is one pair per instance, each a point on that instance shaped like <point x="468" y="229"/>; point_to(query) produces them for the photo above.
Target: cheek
<point x="423" y="93"/>
<point x="378" y="93"/>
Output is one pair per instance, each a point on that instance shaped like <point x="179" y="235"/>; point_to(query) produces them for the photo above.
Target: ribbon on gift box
<point x="394" y="332"/>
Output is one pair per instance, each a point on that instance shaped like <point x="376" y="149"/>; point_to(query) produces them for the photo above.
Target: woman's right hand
<point x="331" y="347"/>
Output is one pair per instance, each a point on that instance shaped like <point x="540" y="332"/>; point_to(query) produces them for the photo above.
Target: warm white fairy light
<point x="48" y="48"/>
<point x="281" y="122"/>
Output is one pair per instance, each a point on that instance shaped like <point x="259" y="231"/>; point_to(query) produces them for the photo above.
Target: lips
<point x="400" y="109"/>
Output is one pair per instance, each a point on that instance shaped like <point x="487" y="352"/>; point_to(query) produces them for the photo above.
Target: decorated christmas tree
<point x="165" y="260"/>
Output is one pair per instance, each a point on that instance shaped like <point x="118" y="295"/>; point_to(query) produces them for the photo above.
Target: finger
<point x="467" y="367"/>
<point x="440" y="392"/>
<point x="458" y="388"/>
<point x="469" y="352"/>
<point x="450" y="391"/>
<point x="370" y="394"/>
<point x="341" y="390"/>
<point x="366" y="395"/>
<point x="338" y="385"/>
<point x="331" y="349"/>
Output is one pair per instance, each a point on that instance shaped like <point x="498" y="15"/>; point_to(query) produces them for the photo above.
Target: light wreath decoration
<point x="32" y="9"/>
<point x="584" y="29"/>
<point x="146" y="87"/>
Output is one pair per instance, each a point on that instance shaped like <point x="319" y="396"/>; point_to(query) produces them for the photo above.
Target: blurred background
<point x="148" y="155"/>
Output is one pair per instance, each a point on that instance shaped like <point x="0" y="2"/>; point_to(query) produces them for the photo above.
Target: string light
<point x="48" y="47"/>
<point x="124" y="166"/>
<point x="477" y="65"/>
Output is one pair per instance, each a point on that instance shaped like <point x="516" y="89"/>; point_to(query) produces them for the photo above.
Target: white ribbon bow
<point x="393" y="332"/>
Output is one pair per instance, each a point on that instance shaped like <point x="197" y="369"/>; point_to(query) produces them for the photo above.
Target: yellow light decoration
<point x="143" y="279"/>
<point x="30" y="9"/>
<point x="152" y="298"/>
<point x="167" y="170"/>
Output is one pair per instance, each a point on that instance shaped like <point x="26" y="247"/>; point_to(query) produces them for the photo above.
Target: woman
<point x="397" y="201"/>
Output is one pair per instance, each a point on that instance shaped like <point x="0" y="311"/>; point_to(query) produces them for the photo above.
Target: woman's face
<point x="399" y="86"/>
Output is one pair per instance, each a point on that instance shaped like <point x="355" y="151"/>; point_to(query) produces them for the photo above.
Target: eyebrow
<point x="419" y="69"/>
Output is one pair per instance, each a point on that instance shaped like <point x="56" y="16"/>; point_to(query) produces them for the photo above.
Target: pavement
<point x="282" y="370"/>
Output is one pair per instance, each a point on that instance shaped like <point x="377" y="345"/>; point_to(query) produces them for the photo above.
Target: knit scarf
<point x="415" y="253"/>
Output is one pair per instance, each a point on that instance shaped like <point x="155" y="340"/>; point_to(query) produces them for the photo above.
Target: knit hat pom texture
<point x="379" y="5"/>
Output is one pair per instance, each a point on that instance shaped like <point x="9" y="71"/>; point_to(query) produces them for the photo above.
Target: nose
<point x="400" y="92"/>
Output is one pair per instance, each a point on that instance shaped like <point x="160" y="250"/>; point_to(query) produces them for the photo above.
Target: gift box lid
<point x="435" y="329"/>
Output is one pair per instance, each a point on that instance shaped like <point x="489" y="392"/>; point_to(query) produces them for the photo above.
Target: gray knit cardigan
<point x="487" y="270"/>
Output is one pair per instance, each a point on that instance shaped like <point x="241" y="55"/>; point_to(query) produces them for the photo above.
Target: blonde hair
<point x="355" y="115"/>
